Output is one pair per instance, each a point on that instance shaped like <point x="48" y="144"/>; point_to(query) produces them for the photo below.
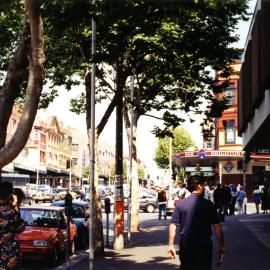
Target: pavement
<point x="247" y="243"/>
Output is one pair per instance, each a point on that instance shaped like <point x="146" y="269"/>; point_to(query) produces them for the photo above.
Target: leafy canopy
<point x="181" y="141"/>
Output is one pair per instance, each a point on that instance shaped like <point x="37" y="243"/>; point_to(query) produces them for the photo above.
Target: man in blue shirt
<point x="195" y="215"/>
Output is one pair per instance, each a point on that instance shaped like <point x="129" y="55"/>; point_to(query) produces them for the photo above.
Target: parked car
<point x="80" y="215"/>
<point x="45" y="234"/>
<point x="148" y="202"/>
<point x="62" y="193"/>
<point x="44" y="193"/>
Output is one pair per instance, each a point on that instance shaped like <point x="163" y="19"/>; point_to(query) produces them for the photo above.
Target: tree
<point x="25" y="68"/>
<point x="181" y="141"/>
<point x="168" y="47"/>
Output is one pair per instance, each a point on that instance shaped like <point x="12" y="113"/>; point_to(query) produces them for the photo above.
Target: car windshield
<point x="40" y="218"/>
<point x="43" y="190"/>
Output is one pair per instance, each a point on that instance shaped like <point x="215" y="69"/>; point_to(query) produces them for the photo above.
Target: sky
<point x="146" y="141"/>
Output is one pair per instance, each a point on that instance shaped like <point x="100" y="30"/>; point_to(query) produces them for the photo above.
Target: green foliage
<point x="181" y="141"/>
<point x="140" y="172"/>
<point x="170" y="46"/>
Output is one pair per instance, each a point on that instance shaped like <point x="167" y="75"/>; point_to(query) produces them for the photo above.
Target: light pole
<point x="92" y="146"/>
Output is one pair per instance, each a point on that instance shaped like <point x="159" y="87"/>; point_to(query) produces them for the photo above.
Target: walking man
<point x="195" y="215"/>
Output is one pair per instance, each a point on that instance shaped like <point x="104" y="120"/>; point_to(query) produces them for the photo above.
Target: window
<point x="229" y="94"/>
<point x="229" y="127"/>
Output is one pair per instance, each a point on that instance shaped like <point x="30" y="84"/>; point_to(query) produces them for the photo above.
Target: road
<point x="44" y="265"/>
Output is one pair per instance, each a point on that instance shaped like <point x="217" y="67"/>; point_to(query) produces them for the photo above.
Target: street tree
<point x="22" y="67"/>
<point x="169" y="46"/>
<point x="181" y="141"/>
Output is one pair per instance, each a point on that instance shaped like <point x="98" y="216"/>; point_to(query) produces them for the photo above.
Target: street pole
<point x="92" y="146"/>
<point x="220" y="172"/>
<point x="130" y="158"/>
<point x="244" y="171"/>
<point x="118" y="195"/>
<point x="70" y="168"/>
<point x="170" y="168"/>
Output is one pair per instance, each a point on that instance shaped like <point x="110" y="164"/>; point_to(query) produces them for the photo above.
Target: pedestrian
<point x="256" y="197"/>
<point x="206" y="190"/>
<point x="10" y="225"/>
<point x="195" y="215"/>
<point x="265" y="196"/>
<point x="162" y="202"/>
<point x="240" y="200"/>
<point x="220" y="200"/>
<point x="234" y="194"/>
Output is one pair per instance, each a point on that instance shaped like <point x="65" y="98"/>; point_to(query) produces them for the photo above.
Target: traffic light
<point x="67" y="163"/>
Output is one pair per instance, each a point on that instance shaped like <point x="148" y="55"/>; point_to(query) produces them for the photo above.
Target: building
<point x="226" y="162"/>
<point x="254" y="95"/>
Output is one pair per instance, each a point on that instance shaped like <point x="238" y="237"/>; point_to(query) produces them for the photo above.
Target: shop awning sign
<point x="228" y="166"/>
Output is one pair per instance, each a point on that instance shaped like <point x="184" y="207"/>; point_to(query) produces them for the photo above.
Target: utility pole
<point x="119" y="194"/>
<point x="92" y="147"/>
<point x="130" y="159"/>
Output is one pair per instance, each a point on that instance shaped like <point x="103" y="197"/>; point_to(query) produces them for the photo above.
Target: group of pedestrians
<point x="261" y="197"/>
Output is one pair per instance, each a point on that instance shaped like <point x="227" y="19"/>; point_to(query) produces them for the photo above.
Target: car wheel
<point x="150" y="208"/>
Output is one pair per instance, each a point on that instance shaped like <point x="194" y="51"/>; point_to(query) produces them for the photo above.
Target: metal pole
<point x="170" y="168"/>
<point x="244" y="171"/>
<point x="130" y="158"/>
<point x="70" y="174"/>
<point x="92" y="146"/>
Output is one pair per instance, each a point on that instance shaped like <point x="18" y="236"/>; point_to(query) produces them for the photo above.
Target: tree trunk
<point x="135" y="192"/>
<point x="97" y="210"/>
<point x="17" y="73"/>
<point x="34" y="86"/>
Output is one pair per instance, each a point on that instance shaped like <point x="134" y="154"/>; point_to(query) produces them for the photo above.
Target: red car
<point x="45" y="234"/>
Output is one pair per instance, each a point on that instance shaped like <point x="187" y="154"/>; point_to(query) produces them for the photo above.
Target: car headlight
<point x="41" y="243"/>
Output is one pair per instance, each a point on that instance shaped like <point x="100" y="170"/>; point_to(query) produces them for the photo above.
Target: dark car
<point x="80" y="216"/>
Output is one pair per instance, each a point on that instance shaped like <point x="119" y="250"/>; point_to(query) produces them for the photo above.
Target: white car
<point x="44" y="193"/>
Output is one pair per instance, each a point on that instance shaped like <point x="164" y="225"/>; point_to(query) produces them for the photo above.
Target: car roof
<point x="74" y="202"/>
<point x="42" y="207"/>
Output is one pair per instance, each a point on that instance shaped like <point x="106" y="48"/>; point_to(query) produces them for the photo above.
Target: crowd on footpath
<point x="229" y="199"/>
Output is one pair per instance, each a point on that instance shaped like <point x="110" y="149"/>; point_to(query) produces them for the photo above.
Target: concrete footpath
<point x="247" y="241"/>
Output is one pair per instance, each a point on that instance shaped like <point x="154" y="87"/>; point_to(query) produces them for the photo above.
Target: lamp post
<point x="92" y="146"/>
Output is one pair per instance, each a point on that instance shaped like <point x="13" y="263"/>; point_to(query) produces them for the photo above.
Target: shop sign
<point x="262" y="151"/>
<point x="228" y="167"/>
<point x="206" y="153"/>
